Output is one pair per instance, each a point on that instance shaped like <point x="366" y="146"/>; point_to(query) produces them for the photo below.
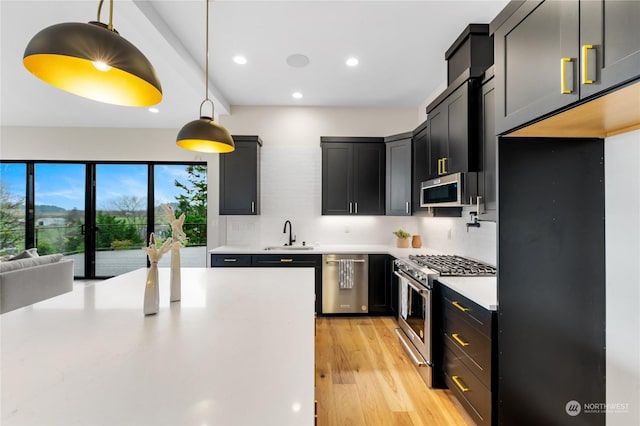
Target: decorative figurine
<point x="151" y="289"/>
<point x="179" y="238"/>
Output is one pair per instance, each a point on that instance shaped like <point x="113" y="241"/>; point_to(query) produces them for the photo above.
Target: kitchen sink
<point x="289" y="248"/>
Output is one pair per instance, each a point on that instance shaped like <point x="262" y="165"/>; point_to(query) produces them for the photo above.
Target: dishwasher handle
<point x="338" y="260"/>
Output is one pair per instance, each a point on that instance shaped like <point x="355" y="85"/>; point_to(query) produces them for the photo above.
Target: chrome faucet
<point x="284" y="231"/>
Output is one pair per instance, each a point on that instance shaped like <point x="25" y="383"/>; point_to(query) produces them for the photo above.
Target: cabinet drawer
<point x="230" y="260"/>
<point x="471" y="393"/>
<point x="299" y="260"/>
<point x="477" y="316"/>
<point x="471" y="347"/>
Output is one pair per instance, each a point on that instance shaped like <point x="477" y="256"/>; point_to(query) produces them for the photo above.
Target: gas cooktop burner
<point x="452" y="266"/>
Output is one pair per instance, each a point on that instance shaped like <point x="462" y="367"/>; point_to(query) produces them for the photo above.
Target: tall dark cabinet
<point x="487" y="176"/>
<point x="551" y="280"/>
<point x="353" y="175"/>
<point x="240" y="177"/>
<point x="421" y="171"/>
<point x="398" y="174"/>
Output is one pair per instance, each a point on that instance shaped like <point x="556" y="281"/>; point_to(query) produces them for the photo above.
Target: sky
<point x="63" y="185"/>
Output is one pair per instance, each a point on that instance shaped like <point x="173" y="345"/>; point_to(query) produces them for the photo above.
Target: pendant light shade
<point x="93" y="61"/>
<point x="205" y="135"/>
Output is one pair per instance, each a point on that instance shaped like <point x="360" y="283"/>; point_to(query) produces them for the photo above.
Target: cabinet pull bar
<point x="444" y="165"/>
<point x="459" y="384"/>
<point x="356" y="207"/>
<point x="350" y="208"/>
<point x="253" y="207"/>
<point x="286" y="260"/>
<point x="459" y="306"/>
<point x="439" y="166"/>
<point x="585" y="64"/>
<point x="457" y="338"/>
<point x="407" y="207"/>
<point x="230" y="260"/>
<point x="563" y="76"/>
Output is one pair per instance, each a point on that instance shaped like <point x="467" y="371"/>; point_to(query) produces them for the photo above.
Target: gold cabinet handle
<point x="459" y="384"/>
<point x="444" y="165"/>
<point x="459" y="306"/>
<point x="563" y="76"/>
<point x="585" y="64"/>
<point x="439" y="166"/>
<point x="286" y="260"/>
<point x="457" y="338"/>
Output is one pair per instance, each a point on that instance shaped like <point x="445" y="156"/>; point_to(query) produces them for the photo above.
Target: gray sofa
<point x="29" y="280"/>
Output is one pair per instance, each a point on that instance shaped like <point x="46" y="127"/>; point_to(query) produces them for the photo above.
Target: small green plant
<point x="401" y="234"/>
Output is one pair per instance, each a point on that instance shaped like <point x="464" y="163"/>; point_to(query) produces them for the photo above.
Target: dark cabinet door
<point x="421" y="170"/>
<point x="532" y="79"/>
<point x="369" y="179"/>
<point x="398" y="194"/>
<point x="609" y="44"/>
<point x="380" y="284"/>
<point x="337" y="178"/>
<point x="438" y="135"/>
<point x="487" y="177"/>
<point x="239" y="178"/>
<point x="353" y="176"/>
<point x="463" y="114"/>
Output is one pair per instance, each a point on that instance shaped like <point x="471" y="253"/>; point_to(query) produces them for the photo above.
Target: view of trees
<point x="122" y="225"/>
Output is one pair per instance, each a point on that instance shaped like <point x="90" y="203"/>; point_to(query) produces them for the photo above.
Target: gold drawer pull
<point x="456" y="336"/>
<point x="459" y="306"/>
<point x="286" y="260"/>
<point x="459" y="384"/>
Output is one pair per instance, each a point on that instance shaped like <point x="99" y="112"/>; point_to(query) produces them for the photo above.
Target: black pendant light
<point x="93" y="61"/>
<point x="204" y="134"/>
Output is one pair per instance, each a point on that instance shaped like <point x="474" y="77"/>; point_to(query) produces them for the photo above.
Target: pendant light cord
<point x="110" y="24"/>
<point x="206" y="67"/>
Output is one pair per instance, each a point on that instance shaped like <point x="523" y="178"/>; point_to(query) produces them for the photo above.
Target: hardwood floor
<point x="363" y="377"/>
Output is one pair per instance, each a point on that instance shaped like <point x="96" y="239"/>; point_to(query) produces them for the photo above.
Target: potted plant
<point x="403" y="238"/>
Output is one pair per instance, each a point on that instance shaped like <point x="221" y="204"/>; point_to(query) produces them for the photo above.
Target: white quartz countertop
<point x="238" y="349"/>
<point x="482" y="290"/>
<point x="327" y="249"/>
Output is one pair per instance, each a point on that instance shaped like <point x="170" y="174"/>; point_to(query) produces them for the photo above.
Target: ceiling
<point x="400" y="46"/>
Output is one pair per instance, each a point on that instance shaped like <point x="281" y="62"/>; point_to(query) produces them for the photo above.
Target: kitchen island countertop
<point x="237" y="349"/>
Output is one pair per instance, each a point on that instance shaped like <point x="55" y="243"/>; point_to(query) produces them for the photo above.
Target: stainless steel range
<point x="416" y="275"/>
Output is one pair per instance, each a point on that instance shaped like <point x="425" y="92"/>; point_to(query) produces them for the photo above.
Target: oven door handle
<point x="409" y="350"/>
<point x="410" y="283"/>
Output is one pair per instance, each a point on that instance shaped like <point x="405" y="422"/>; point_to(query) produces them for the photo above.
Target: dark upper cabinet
<point x="550" y="54"/>
<point x="487" y="177"/>
<point x="240" y="177"/>
<point x="453" y="129"/>
<point x="609" y="44"/>
<point x="421" y="170"/>
<point x="398" y="175"/>
<point x="353" y="176"/>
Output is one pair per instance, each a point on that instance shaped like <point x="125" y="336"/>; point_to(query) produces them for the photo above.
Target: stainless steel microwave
<point x="455" y="190"/>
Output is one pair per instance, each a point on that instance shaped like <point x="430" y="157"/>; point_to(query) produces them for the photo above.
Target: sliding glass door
<point x="13" y="194"/>
<point x="59" y="211"/>
<point x="120" y="218"/>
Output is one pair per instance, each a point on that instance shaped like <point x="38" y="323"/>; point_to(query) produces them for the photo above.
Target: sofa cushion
<point x="24" y="254"/>
<point x="14" y="265"/>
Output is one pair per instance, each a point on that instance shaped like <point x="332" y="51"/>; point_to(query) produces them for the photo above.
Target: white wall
<point x="622" y="230"/>
<point x="291" y="174"/>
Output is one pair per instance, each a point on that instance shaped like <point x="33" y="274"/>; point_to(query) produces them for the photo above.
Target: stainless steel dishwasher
<point x="345" y="283"/>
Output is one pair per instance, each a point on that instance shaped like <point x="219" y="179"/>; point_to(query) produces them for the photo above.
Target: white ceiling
<point x="400" y="45"/>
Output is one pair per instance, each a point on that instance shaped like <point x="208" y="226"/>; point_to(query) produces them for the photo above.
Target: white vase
<point x="175" y="275"/>
<point x="152" y="291"/>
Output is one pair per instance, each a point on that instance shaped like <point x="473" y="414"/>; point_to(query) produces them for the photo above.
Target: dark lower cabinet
<point x="380" y="288"/>
<point x="469" y="355"/>
<point x="551" y="280"/>
<point x="240" y="177"/>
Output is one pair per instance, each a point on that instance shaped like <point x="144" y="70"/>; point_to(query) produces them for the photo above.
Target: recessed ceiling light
<point x="297" y="60"/>
<point x="240" y="60"/>
<point x="352" y="62"/>
<point x="297" y="95"/>
<point x="154" y="110"/>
